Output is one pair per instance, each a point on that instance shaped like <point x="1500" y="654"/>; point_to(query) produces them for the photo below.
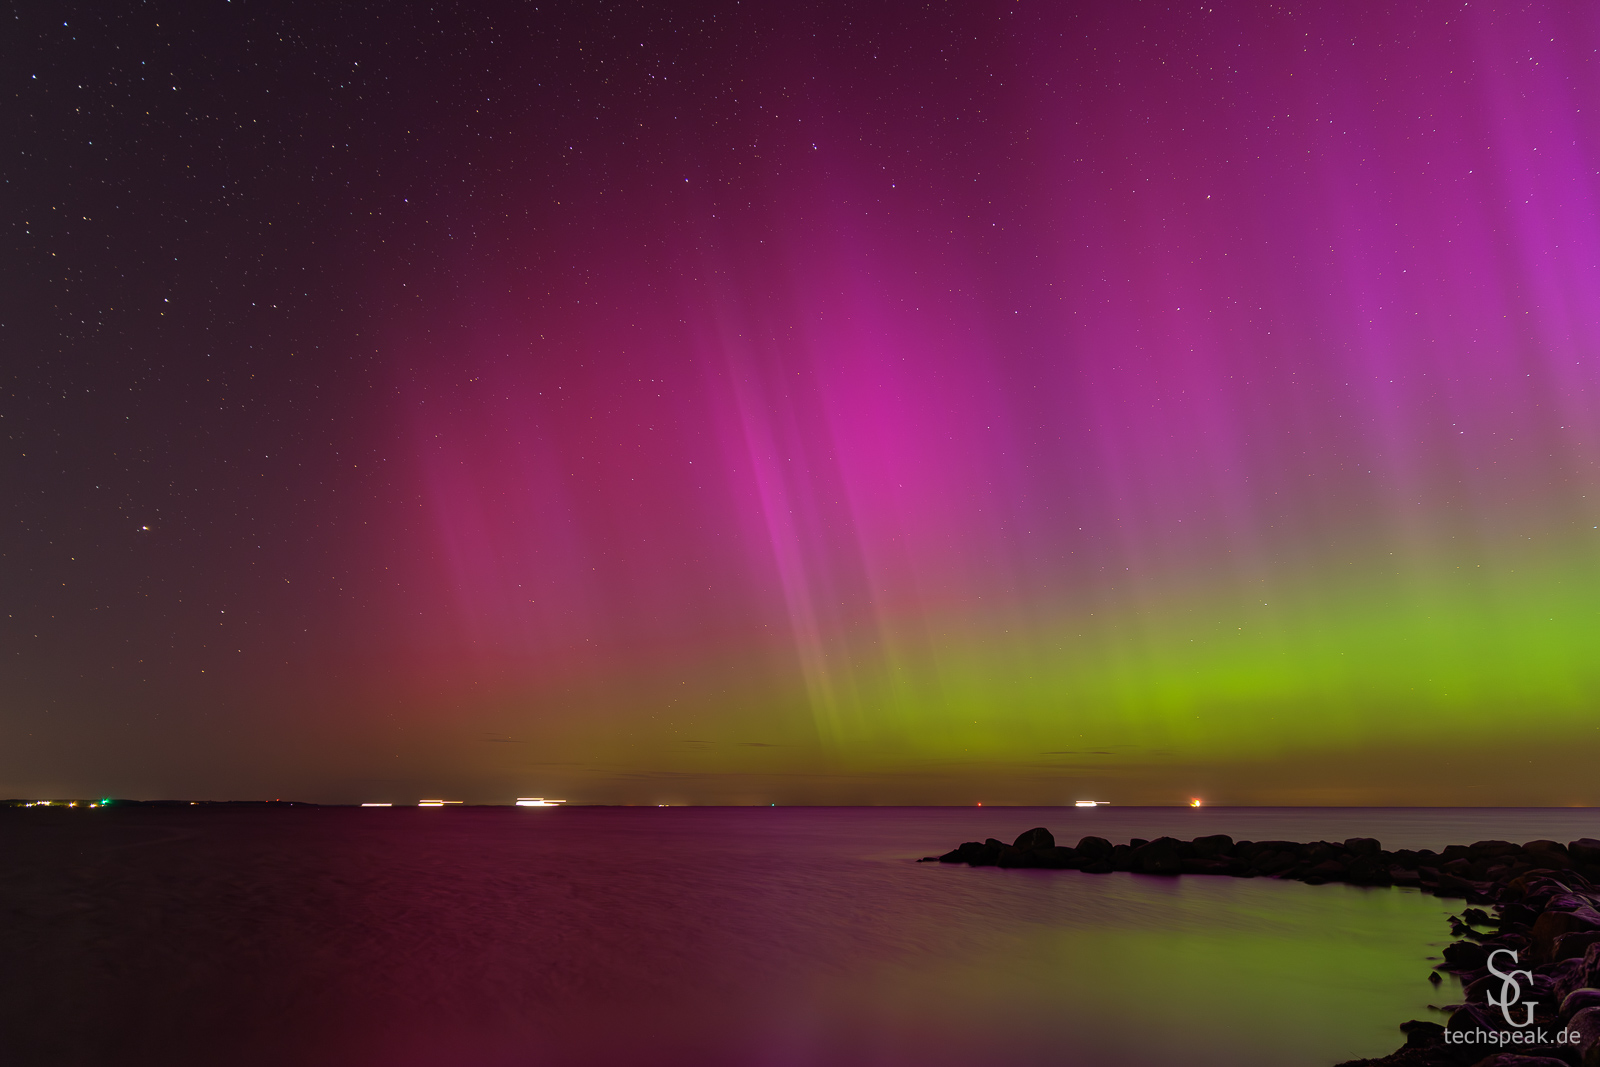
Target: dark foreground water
<point x="706" y="936"/>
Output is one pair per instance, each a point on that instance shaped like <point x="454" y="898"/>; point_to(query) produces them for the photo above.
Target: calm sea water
<point x="707" y="936"/>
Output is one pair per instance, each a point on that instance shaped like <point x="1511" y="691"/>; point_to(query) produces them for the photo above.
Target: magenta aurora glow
<point x="1017" y="403"/>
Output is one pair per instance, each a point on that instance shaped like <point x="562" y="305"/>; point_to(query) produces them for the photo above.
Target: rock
<point x="1587" y="1024"/>
<point x="1552" y="924"/>
<point x="1222" y="845"/>
<point x="1433" y="976"/>
<point x="1094" y="848"/>
<point x="966" y="852"/>
<point x="1272" y="862"/>
<point x="1578" y="999"/>
<point x="1450" y="885"/>
<point x="1122" y="856"/>
<point x="1421" y="1034"/>
<point x="1161" y="856"/>
<point x="1097" y="867"/>
<point x="987" y="854"/>
<point x="1366" y="869"/>
<point x="1469" y="1018"/>
<point x="1573" y="946"/>
<point x="1291" y="847"/>
<point x="1363" y="846"/>
<point x="1542" y="845"/>
<point x="1011" y="856"/>
<point x="1465" y="955"/>
<point x="1057" y="858"/>
<point x="1547" y="861"/>
<point x="1038" y="837"/>
<point x="1479" y="850"/>
<point x="1564" y="977"/>
<point x="1584" y="850"/>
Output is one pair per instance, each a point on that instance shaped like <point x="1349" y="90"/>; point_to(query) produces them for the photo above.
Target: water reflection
<point x="688" y="935"/>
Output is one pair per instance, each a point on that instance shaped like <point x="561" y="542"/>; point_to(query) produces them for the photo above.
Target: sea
<point x="507" y="937"/>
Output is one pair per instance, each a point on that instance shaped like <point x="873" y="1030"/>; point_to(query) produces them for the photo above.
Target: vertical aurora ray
<point x="1210" y="390"/>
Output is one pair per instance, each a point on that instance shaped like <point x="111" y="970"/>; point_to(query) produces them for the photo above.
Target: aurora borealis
<point x="1013" y="402"/>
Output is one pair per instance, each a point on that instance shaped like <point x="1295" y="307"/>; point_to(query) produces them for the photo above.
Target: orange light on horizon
<point x="1194" y="802"/>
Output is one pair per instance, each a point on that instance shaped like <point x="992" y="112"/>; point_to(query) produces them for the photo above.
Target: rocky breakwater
<point x="1530" y="970"/>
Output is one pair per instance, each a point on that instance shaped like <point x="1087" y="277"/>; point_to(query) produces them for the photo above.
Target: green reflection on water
<point x="1139" y="971"/>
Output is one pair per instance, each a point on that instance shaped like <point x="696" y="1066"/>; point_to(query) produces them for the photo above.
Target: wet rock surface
<point x="1536" y="911"/>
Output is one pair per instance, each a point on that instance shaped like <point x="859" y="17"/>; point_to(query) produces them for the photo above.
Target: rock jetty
<point x="1545" y="908"/>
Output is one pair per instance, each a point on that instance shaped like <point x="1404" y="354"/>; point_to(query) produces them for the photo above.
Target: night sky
<point x="801" y="403"/>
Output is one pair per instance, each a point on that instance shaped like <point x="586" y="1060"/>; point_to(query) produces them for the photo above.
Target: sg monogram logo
<point x="1510" y="989"/>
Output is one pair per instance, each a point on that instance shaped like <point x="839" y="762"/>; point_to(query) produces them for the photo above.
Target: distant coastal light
<point x="1091" y="803"/>
<point x="377" y="804"/>
<point x="435" y="803"/>
<point x="537" y="802"/>
<point x="1194" y="802"/>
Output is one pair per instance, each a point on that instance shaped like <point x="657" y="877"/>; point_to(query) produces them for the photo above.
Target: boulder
<point x="1465" y="955"/>
<point x="1366" y="869"/>
<point x="1584" y="850"/>
<point x="1450" y="885"/>
<point x="1575" y="945"/>
<point x="1055" y="858"/>
<point x="1564" y="977"/>
<point x="1401" y="876"/>
<point x="1272" y="862"/>
<point x="1218" y="845"/>
<point x="1420" y="1034"/>
<point x="1161" y="856"/>
<point x="1487" y="849"/>
<point x="1363" y="846"/>
<point x="1094" y="848"/>
<point x="1469" y="1018"/>
<point x="1038" y="837"/>
<point x="1587" y="1024"/>
<point x="966" y="852"/>
<point x="986" y="854"/>
<point x="1328" y="870"/>
<point x="1546" y="860"/>
<point x="1552" y="924"/>
<point x="1011" y="856"/>
<point x="1578" y="999"/>
<point x="1291" y="847"/>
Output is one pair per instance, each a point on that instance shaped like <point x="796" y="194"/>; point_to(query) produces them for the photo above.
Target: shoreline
<point x="1545" y="927"/>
